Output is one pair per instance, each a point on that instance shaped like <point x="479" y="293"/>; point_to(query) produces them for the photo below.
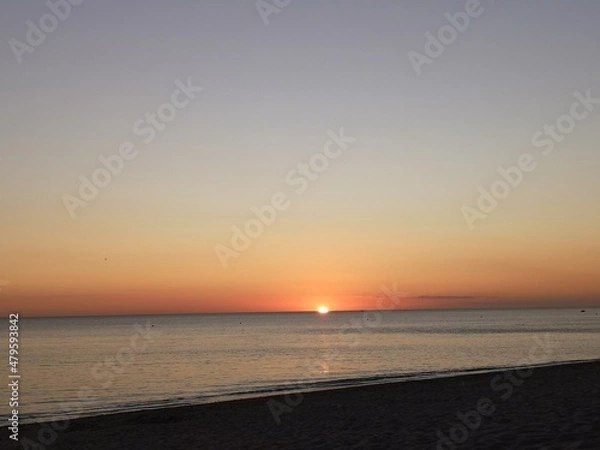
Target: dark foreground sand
<point x="549" y="408"/>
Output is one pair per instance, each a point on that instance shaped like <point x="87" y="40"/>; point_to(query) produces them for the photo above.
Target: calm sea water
<point x="87" y="366"/>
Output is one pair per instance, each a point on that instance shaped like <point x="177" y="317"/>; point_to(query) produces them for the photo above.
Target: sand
<point x="555" y="407"/>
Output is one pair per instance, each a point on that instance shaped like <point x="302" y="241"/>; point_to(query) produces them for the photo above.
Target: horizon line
<point x="492" y="308"/>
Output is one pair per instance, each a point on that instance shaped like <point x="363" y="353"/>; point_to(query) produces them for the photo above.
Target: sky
<point x="379" y="144"/>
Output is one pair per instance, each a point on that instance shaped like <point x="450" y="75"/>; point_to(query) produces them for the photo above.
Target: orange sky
<point x="243" y="110"/>
<point x="169" y="266"/>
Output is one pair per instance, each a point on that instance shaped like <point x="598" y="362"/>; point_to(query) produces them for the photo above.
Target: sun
<point x="322" y="309"/>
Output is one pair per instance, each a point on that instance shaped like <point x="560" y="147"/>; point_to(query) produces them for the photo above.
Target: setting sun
<point x="322" y="309"/>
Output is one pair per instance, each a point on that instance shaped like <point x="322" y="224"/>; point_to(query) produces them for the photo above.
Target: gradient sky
<point x="387" y="211"/>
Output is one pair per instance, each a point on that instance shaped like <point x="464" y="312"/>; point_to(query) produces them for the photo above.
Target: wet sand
<point x="554" y="407"/>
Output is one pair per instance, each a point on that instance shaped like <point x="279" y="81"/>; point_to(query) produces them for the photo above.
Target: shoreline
<point x="296" y="387"/>
<point x="417" y="413"/>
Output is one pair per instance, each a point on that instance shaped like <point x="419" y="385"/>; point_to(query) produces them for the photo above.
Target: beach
<point x="292" y="225"/>
<point x="552" y="407"/>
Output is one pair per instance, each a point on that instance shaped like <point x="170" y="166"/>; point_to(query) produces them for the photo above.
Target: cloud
<point x="453" y="297"/>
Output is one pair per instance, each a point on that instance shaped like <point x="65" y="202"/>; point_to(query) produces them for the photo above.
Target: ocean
<point x="97" y="365"/>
